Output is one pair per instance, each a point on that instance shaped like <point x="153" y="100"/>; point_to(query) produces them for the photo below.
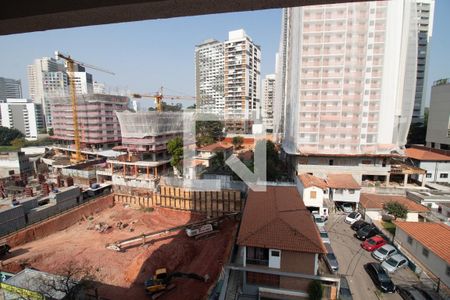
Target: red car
<point x="373" y="243"/>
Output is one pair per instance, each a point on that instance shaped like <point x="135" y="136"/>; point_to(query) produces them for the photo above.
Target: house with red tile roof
<point x="436" y="164"/>
<point x="372" y="206"/>
<point x="313" y="190"/>
<point x="426" y="244"/>
<point x="344" y="189"/>
<point x="208" y="152"/>
<point x="279" y="242"/>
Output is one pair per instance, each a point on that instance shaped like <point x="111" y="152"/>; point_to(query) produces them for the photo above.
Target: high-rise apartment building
<point x="209" y="76"/>
<point x="425" y="16"/>
<point x="241" y="83"/>
<point x="23" y="115"/>
<point x="48" y="79"/>
<point x="99" y="88"/>
<point x="10" y="88"/>
<point x="438" y="129"/>
<point x="350" y="77"/>
<point x="267" y="101"/>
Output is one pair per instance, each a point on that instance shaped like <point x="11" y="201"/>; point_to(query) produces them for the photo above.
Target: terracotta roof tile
<point x="438" y="242"/>
<point x="278" y="219"/>
<point x="219" y="146"/>
<point x="375" y="201"/>
<point x="310" y="180"/>
<point x="422" y="154"/>
<point x="342" y="181"/>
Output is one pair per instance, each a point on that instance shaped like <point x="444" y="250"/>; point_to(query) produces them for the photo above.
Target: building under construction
<point x="144" y="137"/>
<point x="97" y="120"/>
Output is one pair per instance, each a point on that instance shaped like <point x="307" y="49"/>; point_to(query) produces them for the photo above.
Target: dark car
<point x="358" y="225"/>
<point x="427" y="293"/>
<point x="344" y="291"/>
<point x="409" y="293"/>
<point x="330" y="259"/>
<point x="380" y="277"/>
<point x="367" y="232"/>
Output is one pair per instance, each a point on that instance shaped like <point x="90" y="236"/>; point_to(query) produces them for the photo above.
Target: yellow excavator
<point x="161" y="281"/>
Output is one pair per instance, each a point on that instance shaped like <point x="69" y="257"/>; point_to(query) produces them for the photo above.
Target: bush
<point x="315" y="290"/>
<point x="237" y="141"/>
<point x="396" y="209"/>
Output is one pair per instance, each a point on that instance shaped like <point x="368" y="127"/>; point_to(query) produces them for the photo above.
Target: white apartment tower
<point x="23" y="115"/>
<point x="267" y="101"/>
<point x="425" y="16"/>
<point x="241" y="83"/>
<point x="10" y="88"/>
<point x="209" y="76"/>
<point x="350" y="77"/>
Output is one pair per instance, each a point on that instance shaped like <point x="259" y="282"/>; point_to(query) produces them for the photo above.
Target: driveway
<point x="352" y="258"/>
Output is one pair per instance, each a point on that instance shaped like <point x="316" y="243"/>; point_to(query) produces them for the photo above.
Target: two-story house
<point x="313" y="190"/>
<point x="279" y="245"/>
<point x="344" y="189"/>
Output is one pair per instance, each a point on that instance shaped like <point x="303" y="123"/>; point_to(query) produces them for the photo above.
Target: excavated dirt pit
<point x="121" y="275"/>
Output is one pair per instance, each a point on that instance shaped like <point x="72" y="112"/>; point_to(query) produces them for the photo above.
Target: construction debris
<point x="102" y="227"/>
<point x="120" y="225"/>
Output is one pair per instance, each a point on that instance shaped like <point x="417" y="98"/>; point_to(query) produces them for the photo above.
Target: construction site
<point x="125" y="246"/>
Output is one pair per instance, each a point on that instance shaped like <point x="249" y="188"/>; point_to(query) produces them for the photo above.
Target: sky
<point x="148" y="54"/>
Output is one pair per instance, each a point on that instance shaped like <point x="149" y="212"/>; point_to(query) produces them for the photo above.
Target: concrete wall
<point x="439" y="118"/>
<point x="11" y="219"/>
<point x="344" y="195"/>
<point x="436" y="265"/>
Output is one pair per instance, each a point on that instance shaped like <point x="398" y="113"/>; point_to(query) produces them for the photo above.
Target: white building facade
<point x="209" y="76"/>
<point x="350" y="77"/>
<point x="267" y="101"/>
<point x="242" y="71"/>
<point x="23" y="115"/>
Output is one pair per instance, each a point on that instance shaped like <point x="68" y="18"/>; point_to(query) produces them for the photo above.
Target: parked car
<point x="384" y="252"/>
<point x="324" y="235"/>
<point x="319" y="220"/>
<point x="347" y="207"/>
<point x="379" y="277"/>
<point x="409" y="293"/>
<point x="330" y="259"/>
<point x="344" y="292"/>
<point x="373" y="243"/>
<point x="358" y="225"/>
<point x="367" y="232"/>
<point x="352" y="217"/>
<point x="394" y="263"/>
<point x="427" y="292"/>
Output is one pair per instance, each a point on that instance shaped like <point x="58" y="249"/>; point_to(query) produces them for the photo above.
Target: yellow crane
<point x="73" y="95"/>
<point x="158" y="96"/>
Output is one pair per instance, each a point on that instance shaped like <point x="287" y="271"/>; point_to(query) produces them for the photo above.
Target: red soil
<point x="121" y="275"/>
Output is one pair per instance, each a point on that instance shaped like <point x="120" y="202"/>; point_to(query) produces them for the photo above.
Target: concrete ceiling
<point x="19" y="16"/>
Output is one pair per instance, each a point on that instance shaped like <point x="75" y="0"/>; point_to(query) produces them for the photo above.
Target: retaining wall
<point x="58" y="222"/>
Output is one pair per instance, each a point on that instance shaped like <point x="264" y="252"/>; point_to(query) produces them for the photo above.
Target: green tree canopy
<point x="7" y="135"/>
<point x="208" y="132"/>
<point x="237" y="141"/>
<point x="175" y="148"/>
<point x="396" y="209"/>
<point x="315" y="290"/>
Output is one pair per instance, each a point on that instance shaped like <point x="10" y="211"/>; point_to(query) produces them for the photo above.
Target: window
<point x="425" y="252"/>
<point x="428" y="175"/>
<point x="312" y="194"/>
<point x="443" y="175"/>
<point x="331" y="162"/>
<point x="257" y="256"/>
<point x="351" y="191"/>
<point x="410" y="240"/>
<point x="275" y="253"/>
<point x="448" y="271"/>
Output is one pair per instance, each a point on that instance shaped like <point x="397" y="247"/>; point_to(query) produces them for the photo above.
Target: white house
<point x="313" y="191"/>
<point x="344" y="189"/>
<point x="427" y="245"/>
<point x="435" y="162"/>
<point x="372" y="206"/>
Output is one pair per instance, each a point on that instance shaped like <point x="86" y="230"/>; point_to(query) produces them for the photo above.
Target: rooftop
<point x="278" y="219"/>
<point x="342" y="181"/>
<point x="438" y="242"/>
<point x="422" y="154"/>
<point x="375" y="201"/>
<point x="219" y="146"/>
<point x="310" y="180"/>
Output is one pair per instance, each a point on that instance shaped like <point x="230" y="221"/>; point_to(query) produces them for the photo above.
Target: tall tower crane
<point x="73" y="95"/>
<point x="159" y="96"/>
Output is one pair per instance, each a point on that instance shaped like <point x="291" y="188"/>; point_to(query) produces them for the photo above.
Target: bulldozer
<point x="160" y="283"/>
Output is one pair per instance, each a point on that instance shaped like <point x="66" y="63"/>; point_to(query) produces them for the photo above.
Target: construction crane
<point x="73" y="95"/>
<point x="159" y="96"/>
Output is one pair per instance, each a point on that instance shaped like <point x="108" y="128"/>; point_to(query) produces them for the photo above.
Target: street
<point x="352" y="258"/>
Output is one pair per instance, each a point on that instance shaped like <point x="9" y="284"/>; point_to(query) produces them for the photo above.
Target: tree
<point x="208" y="132"/>
<point x="18" y="143"/>
<point x="7" y="135"/>
<point x="315" y="290"/>
<point x="396" y="209"/>
<point x="175" y="148"/>
<point x="168" y="107"/>
<point x="218" y="161"/>
<point x="50" y="132"/>
<point x="273" y="162"/>
<point x="237" y="141"/>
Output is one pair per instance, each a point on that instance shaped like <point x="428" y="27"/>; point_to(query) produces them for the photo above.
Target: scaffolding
<point x="152" y="123"/>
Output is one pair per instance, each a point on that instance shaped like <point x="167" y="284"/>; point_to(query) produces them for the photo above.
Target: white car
<point x="324" y="235"/>
<point x="347" y="207"/>
<point x="319" y="220"/>
<point x="352" y="217"/>
<point x="384" y="252"/>
<point x="394" y="263"/>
